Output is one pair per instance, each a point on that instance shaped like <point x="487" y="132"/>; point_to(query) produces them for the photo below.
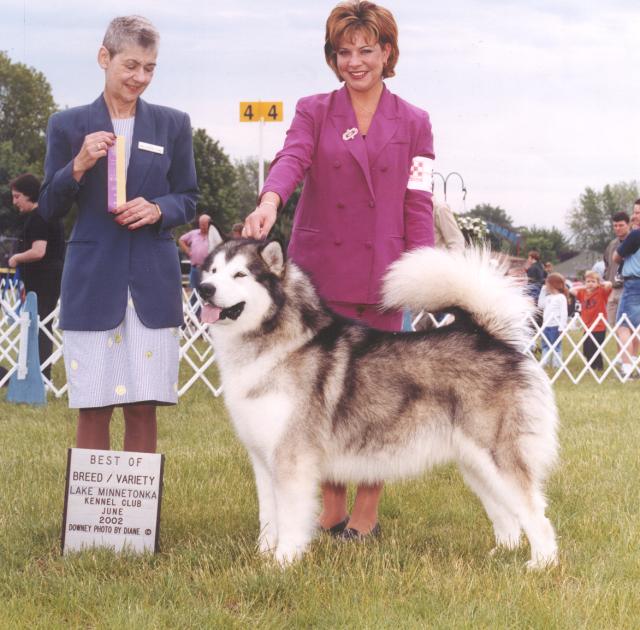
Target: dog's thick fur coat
<point x="317" y="397"/>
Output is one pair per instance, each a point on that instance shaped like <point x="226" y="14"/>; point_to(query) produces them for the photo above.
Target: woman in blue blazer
<point x="121" y="303"/>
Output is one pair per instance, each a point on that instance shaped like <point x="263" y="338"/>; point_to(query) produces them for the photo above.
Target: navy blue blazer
<point x="104" y="258"/>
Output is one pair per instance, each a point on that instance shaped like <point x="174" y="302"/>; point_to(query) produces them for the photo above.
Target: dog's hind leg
<point x="268" y="538"/>
<point x="506" y="526"/>
<point x="296" y="484"/>
<point x="513" y="493"/>
<point x="528" y="504"/>
<point x="540" y="532"/>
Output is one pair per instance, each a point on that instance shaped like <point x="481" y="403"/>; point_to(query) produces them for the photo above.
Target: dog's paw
<point x="541" y="562"/>
<point x="285" y="556"/>
<point x="506" y="544"/>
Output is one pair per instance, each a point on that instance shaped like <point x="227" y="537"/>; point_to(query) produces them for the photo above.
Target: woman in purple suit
<point x="365" y="157"/>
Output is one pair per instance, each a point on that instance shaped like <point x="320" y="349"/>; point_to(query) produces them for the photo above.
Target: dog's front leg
<point x="296" y="482"/>
<point x="268" y="538"/>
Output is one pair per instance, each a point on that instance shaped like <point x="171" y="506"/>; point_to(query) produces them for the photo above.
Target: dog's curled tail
<point x="436" y="280"/>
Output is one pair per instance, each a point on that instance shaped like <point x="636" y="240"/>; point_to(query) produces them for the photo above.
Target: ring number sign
<point x="256" y="111"/>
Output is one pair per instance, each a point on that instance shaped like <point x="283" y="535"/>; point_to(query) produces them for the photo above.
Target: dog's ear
<point x="273" y="256"/>
<point x="215" y="237"/>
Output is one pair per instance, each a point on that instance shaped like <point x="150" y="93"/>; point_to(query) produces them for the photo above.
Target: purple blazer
<point x="355" y="215"/>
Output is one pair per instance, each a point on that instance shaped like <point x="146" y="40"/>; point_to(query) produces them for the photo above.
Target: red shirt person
<point x="593" y="302"/>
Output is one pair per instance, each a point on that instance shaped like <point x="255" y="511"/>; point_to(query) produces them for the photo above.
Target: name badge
<point x="154" y="148"/>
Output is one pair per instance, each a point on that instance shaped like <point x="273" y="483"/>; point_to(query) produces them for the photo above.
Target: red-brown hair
<point x="556" y="281"/>
<point x="374" y="22"/>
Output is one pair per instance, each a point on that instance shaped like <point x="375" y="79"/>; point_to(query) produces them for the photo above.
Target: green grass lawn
<point x="430" y="569"/>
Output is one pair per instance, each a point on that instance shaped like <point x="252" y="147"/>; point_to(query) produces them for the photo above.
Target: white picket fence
<point x="197" y="357"/>
<point x="568" y="350"/>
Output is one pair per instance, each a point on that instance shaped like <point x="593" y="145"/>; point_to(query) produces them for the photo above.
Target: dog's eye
<point x="240" y="274"/>
<point x="212" y="270"/>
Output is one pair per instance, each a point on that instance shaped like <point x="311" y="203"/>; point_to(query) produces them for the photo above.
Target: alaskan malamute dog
<point x="317" y="397"/>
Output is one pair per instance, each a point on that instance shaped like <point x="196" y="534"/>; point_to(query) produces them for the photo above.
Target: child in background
<point x="553" y="302"/>
<point x="593" y="302"/>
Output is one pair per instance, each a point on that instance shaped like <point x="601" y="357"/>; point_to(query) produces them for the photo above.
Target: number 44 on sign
<point x="261" y="111"/>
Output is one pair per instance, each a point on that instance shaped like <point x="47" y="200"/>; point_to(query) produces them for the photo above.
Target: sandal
<point x="349" y="533"/>
<point x="337" y="529"/>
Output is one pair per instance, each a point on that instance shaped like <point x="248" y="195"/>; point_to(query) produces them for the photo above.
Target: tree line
<point x="228" y="188"/>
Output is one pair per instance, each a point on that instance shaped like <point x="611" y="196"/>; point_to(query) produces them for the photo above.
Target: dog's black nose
<point x="206" y="290"/>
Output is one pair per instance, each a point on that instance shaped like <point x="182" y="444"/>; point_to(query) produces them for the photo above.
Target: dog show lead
<point x="364" y="155"/>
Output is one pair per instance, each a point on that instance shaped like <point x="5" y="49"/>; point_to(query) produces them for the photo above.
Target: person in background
<point x="365" y="156"/>
<point x="195" y="244"/>
<point x="535" y="274"/>
<point x="629" y="252"/>
<point x="635" y="215"/>
<point x="236" y="230"/>
<point x="599" y="267"/>
<point x="447" y="232"/>
<point x="621" y="227"/>
<point x="41" y="257"/>
<point x="121" y="302"/>
<point x="553" y="302"/>
<point x="548" y="267"/>
<point x="593" y="311"/>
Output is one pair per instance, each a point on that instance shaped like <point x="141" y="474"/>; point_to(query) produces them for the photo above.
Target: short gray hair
<point x="130" y="29"/>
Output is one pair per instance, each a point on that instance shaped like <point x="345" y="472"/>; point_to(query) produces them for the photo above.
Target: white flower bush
<point x="474" y="229"/>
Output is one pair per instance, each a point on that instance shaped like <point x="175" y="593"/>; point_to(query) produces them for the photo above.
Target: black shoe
<point x="337" y="529"/>
<point x="349" y="533"/>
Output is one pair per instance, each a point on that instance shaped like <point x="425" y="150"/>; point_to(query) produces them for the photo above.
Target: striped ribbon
<point x="116" y="174"/>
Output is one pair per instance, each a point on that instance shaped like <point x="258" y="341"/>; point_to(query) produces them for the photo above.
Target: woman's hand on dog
<point x="259" y="223"/>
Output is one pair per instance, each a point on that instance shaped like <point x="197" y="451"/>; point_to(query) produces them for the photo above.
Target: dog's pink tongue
<point x="210" y="314"/>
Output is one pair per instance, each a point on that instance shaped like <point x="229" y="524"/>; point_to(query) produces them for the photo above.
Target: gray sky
<point x="530" y="100"/>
